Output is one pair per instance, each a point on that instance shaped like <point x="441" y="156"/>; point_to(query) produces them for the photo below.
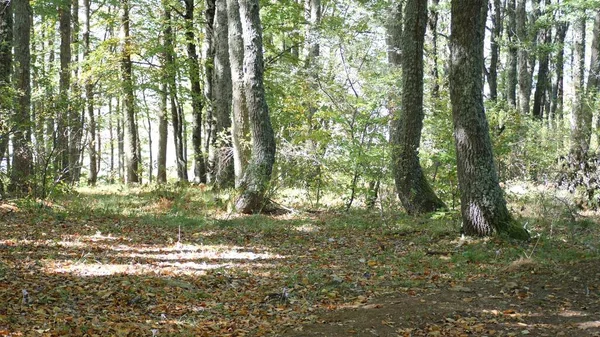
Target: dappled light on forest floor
<point x="66" y="270"/>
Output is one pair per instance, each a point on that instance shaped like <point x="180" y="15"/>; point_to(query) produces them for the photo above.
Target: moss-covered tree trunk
<point x="258" y="174"/>
<point x="483" y="206"/>
<point x="414" y="191"/>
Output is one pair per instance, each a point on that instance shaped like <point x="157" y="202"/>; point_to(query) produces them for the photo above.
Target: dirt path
<point x="562" y="301"/>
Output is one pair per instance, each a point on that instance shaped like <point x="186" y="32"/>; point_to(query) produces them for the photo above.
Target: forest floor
<point x="174" y="262"/>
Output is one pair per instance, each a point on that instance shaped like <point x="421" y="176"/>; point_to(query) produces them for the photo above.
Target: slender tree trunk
<point x="258" y="174"/>
<point x="539" y="96"/>
<point x="581" y="121"/>
<point x="483" y="206"/>
<point x="512" y="56"/>
<point x="130" y="127"/>
<point x="64" y="107"/>
<point x="433" y="26"/>
<point x="163" y="134"/>
<point x="171" y="73"/>
<point x="111" y="177"/>
<point x="495" y="49"/>
<point x="393" y="35"/>
<point x="209" y="62"/>
<point x="196" y="93"/>
<point x="6" y="42"/>
<point x="523" y="57"/>
<point x="222" y="153"/>
<point x="89" y="97"/>
<point x="593" y="83"/>
<point x="556" y="109"/>
<point x="21" y="140"/>
<point x="241" y="127"/>
<point x="76" y="112"/>
<point x="414" y="191"/>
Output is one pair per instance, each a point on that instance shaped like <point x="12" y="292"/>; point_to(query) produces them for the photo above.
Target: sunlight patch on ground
<point x="102" y="269"/>
<point x="572" y="313"/>
<point x="589" y="325"/>
<point x="307" y="228"/>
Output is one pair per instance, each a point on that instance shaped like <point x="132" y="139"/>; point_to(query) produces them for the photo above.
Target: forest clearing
<point x="299" y="168"/>
<point x="174" y="262"/>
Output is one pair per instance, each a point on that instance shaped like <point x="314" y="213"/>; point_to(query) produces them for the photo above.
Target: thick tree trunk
<point x="511" y="57"/>
<point x="495" y="49"/>
<point x="483" y="206"/>
<point x="196" y="93"/>
<point x="222" y="156"/>
<point x="64" y="107"/>
<point x="21" y="140"/>
<point x="556" y="108"/>
<point x="129" y="127"/>
<point x="414" y="191"/>
<point x="258" y="174"/>
<point x="581" y="121"/>
<point x="241" y="128"/>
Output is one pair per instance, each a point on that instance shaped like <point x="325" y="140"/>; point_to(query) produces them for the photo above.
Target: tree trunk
<point x="393" y="37"/>
<point x="495" y="49"/>
<point x="414" y="191"/>
<point x="209" y="62"/>
<point x="511" y="58"/>
<point x="523" y="58"/>
<point x="483" y="206"/>
<point x="196" y="93"/>
<point x="258" y="174"/>
<point x="433" y="26"/>
<point x="129" y="127"/>
<point x="581" y="121"/>
<point x="556" y="109"/>
<point x="241" y="127"/>
<point x="62" y="118"/>
<point x="539" y="96"/>
<point x="163" y="134"/>
<point x="76" y="112"/>
<point x="593" y="83"/>
<point x="89" y="97"/>
<point x="21" y="141"/>
<point x="6" y="42"/>
<point x="222" y="153"/>
<point x="171" y="72"/>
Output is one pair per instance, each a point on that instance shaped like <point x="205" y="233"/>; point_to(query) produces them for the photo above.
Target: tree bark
<point x="511" y="58"/>
<point x="64" y="107"/>
<point x="581" y="121"/>
<point x="415" y="193"/>
<point x="483" y="206"/>
<point x="221" y="156"/>
<point x="196" y="93"/>
<point x="129" y="127"/>
<point x="89" y="97"/>
<point x="523" y="58"/>
<point x="539" y="97"/>
<point x="241" y="127"/>
<point x="495" y="49"/>
<point x="76" y="110"/>
<point x="6" y="43"/>
<point x="171" y="76"/>
<point x="556" y="108"/>
<point x="433" y="26"/>
<point x="209" y="60"/>
<point x="593" y="83"/>
<point x="163" y="134"/>
<point x="21" y="140"/>
<point x="393" y="36"/>
<point x="258" y="174"/>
